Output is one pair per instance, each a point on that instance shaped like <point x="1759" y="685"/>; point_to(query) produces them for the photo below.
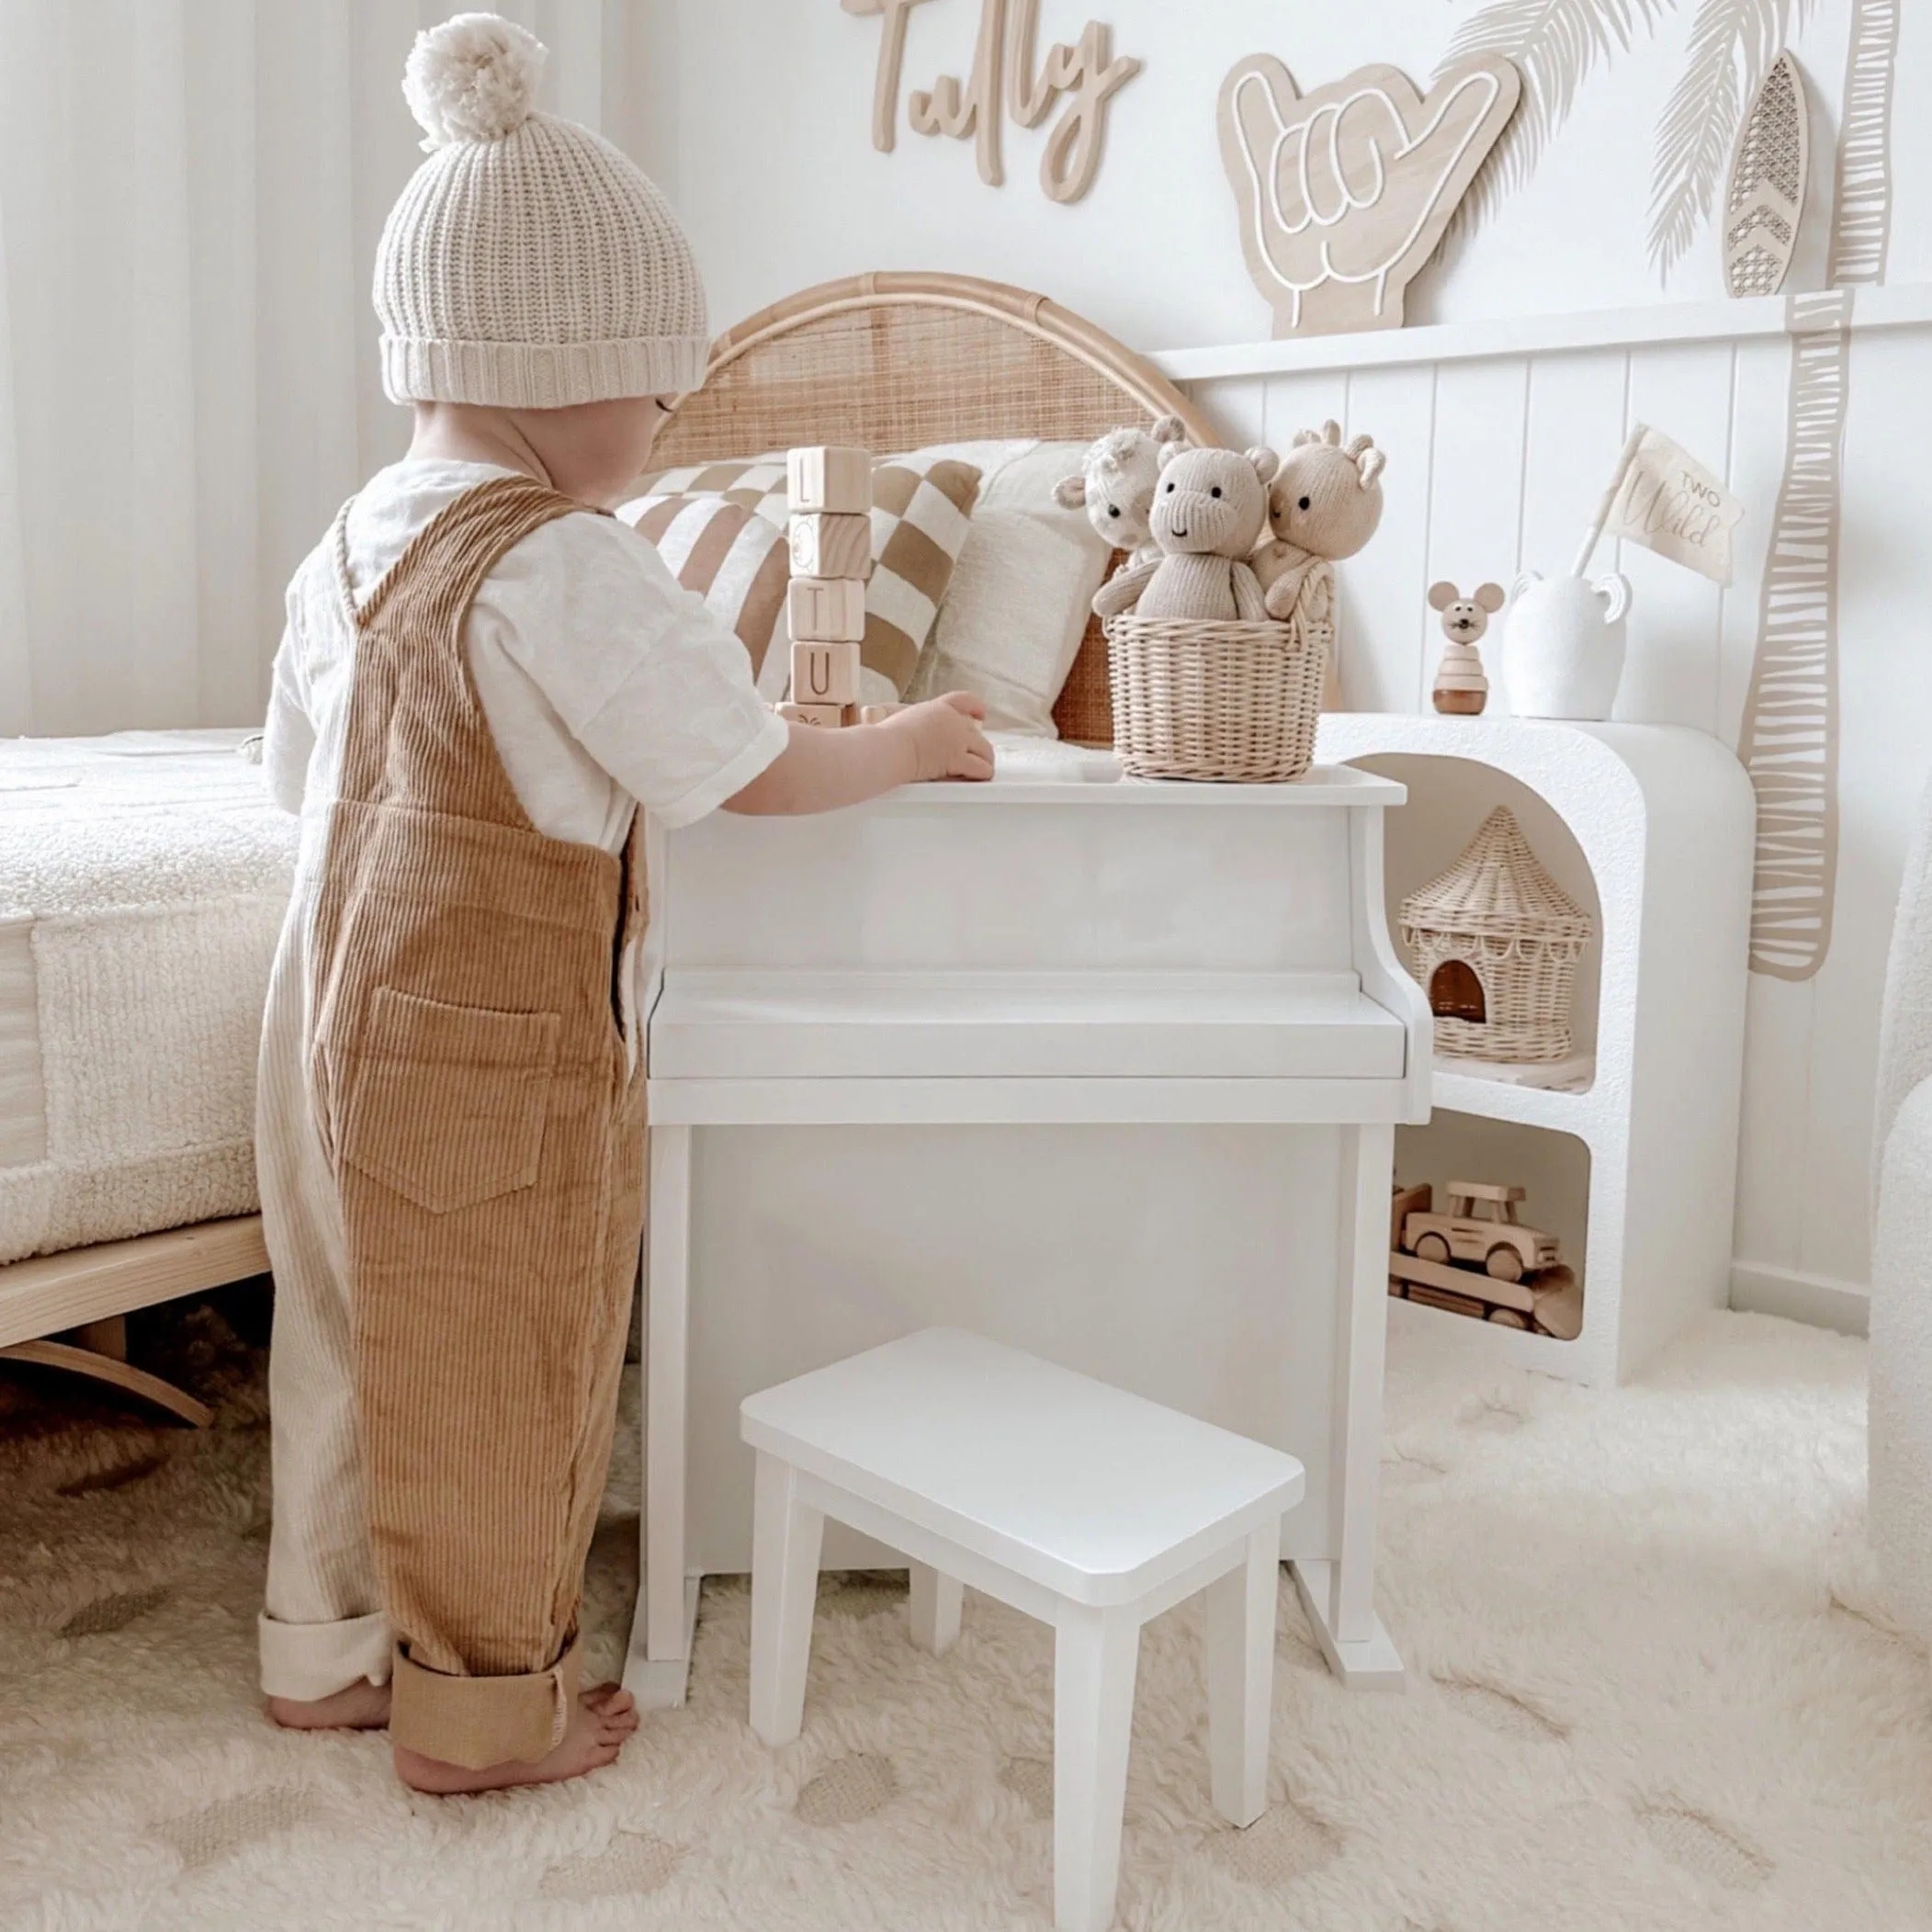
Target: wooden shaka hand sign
<point x="1345" y="192"/>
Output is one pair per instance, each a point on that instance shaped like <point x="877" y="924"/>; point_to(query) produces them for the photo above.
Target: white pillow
<point x="1012" y="618"/>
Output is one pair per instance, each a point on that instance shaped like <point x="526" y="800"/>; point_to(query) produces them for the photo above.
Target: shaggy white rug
<point x="1651" y="1688"/>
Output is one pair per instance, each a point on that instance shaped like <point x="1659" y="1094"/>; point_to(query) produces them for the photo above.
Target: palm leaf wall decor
<point x="1733" y="46"/>
<point x="1557" y="44"/>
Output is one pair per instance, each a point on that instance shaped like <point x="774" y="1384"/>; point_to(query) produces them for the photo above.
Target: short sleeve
<point x="654" y="687"/>
<point x="288" y="734"/>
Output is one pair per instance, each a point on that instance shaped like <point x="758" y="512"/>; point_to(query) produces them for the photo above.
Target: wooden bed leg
<point x="117" y="1374"/>
<point x="108" y="1336"/>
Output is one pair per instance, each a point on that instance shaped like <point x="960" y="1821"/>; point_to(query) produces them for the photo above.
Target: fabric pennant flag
<point x="1666" y="500"/>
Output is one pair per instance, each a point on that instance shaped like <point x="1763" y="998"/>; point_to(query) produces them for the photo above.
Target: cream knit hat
<point x="528" y="263"/>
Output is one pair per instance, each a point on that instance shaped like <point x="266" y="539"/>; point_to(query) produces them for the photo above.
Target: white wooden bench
<point x="1088" y="1508"/>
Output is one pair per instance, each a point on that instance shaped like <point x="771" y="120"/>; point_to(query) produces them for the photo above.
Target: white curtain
<point x="190" y="194"/>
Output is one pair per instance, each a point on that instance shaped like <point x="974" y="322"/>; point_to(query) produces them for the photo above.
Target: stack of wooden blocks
<point x="831" y="493"/>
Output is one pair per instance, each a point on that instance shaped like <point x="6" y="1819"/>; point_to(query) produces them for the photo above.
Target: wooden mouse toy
<point x="1462" y="688"/>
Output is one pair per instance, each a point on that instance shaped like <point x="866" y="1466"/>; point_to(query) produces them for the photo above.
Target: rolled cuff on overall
<point x="480" y="1721"/>
<point x="310" y="1661"/>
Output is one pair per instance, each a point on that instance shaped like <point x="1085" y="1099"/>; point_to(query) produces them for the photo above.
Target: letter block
<point x="828" y="717"/>
<point x="824" y="545"/>
<point x="839" y="481"/>
<point x="827" y="610"/>
<point x="825" y="674"/>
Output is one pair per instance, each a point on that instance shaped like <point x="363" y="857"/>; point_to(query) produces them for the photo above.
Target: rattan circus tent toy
<point x="1495" y="942"/>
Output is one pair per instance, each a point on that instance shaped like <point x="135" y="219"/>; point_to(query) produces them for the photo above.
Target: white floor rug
<point x="1652" y="1687"/>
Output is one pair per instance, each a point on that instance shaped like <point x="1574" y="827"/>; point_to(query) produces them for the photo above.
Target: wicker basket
<point x="1235" y="702"/>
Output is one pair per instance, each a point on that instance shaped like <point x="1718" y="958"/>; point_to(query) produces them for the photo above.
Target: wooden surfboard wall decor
<point x="1769" y="176"/>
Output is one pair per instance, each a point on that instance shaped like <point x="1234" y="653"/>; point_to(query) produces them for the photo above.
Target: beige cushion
<point x="922" y="517"/>
<point x="1012" y="622"/>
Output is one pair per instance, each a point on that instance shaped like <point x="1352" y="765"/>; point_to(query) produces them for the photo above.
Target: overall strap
<point x="418" y="735"/>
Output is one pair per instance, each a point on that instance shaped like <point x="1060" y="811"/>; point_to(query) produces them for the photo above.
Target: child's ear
<point x="1072" y="493"/>
<point x="1265" y="463"/>
<point x="1441" y="595"/>
<point x="1490" y="596"/>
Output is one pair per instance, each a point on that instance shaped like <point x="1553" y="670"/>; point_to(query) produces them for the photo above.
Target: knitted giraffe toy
<point x="1326" y="504"/>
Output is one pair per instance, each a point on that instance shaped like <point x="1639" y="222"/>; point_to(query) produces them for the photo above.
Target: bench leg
<point x="786" y="1536"/>
<point x="1096" y="1656"/>
<point x="1239" y="1635"/>
<point x="936" y="1601"/>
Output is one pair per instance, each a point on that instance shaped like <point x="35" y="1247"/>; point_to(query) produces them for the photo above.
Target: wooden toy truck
<point x="1481" y="1229"/>
<point x="1477" y="1259"/>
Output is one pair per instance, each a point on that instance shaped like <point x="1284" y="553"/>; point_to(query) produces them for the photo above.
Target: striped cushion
<point x="733" y="558"/>
<point x="923" y="508"/>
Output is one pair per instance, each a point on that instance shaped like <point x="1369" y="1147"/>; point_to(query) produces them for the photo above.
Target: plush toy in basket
<point x="1206" y="685"/>
<point x="1117" y="485"/>
<point x="1325" y="505"/>
<point x="1210" y="508"/>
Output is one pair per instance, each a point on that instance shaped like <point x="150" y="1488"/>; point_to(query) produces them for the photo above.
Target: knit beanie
<point x="528" y="263"/>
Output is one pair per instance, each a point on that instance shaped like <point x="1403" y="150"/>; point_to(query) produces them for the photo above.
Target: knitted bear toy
<point x="1209" y="512"/>
<point x="1326" y="504"/>
<point x="1115" y="486"/>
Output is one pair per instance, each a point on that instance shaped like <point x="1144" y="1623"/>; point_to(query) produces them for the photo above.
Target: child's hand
<point x="944" y="737"/>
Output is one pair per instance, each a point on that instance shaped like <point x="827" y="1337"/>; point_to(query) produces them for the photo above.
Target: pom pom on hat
<point x="473" y="78"/>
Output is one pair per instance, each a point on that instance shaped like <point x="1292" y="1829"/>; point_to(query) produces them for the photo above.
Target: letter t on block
<point x="827" y="610"/>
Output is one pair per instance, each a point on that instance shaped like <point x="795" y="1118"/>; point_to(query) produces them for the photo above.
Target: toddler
<point x="482" y="682"/>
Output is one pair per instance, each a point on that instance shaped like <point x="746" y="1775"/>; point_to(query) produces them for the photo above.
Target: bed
<point x="143" y="882"/>
<point x="144" y="876"/>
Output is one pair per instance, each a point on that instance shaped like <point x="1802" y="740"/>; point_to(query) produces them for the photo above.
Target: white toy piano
<point x="1106" y="1070"/>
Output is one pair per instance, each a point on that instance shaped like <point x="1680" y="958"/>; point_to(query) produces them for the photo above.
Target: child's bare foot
<point x="604" y="1718"/>
<point x="362" y="1706"/>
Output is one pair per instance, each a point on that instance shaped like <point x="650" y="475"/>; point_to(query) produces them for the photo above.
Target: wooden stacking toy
<point x="831" y="493"/>
<point x="1462" y="688"/>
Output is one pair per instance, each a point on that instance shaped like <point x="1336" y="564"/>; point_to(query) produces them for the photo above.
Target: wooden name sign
<point x="1008" y="78"/>
<point x="1345" y="192"/>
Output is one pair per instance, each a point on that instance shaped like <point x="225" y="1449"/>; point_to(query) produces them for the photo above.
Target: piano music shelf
<point x="1651" y="825"/>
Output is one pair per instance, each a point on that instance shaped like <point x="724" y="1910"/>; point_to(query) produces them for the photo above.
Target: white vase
<point x="1563" y="645"/>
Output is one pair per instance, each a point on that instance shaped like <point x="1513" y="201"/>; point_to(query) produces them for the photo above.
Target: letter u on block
<point x="825" y="674"/>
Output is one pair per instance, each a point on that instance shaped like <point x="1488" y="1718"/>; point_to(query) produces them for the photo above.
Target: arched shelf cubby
<point x="1650" y="827"/>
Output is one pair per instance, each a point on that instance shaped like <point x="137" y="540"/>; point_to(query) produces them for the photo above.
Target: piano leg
<point x="660" y="1657"/>
<point x="1340" y="1595"/>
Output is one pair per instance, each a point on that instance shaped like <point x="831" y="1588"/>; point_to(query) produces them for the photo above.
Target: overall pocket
<point x="446" y="1104"/>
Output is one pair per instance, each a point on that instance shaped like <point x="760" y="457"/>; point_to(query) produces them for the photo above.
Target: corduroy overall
<point x="482" y="1112"/>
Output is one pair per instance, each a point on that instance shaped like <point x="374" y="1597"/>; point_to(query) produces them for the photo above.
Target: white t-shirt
<point x="606" y="684"/>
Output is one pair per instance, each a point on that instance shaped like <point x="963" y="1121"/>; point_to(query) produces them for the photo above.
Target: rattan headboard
<point x="900" y="362"/>
<point x="896" y="362"/>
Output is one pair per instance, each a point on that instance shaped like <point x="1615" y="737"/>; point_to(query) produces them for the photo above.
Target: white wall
<point x="756" y="116"/>
<point x="757" y="119"/>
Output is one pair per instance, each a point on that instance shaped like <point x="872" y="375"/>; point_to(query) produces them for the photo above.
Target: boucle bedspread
<point x="143" y="882"/>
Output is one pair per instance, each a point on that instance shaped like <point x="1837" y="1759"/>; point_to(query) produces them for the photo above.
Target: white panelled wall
<point x="1495" y="465"/>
